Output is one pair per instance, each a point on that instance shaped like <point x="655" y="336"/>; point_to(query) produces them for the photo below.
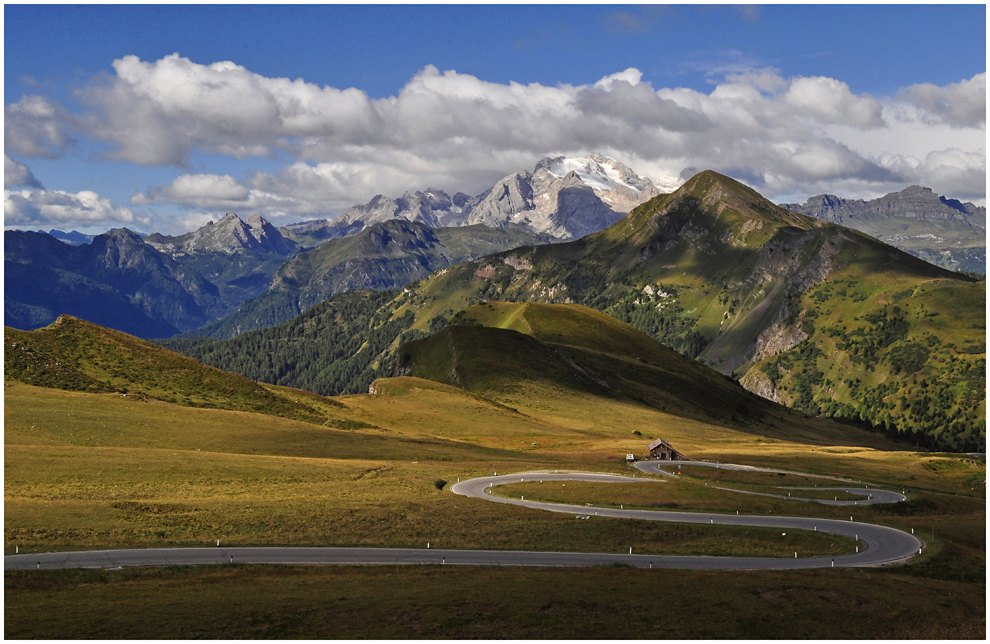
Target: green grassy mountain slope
<point x="75" y="355"/>
<point x="515" y="352"/>
<point x="381" y="257"/>
<point x="336" y="347"/>
<point x="720" y="274"/>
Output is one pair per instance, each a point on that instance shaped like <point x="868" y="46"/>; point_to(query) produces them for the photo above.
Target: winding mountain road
<point x="878" y="544"/>
<point x="870" y="495"/>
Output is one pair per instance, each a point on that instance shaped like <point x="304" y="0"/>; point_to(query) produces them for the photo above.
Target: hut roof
<point x="657" y="443"/>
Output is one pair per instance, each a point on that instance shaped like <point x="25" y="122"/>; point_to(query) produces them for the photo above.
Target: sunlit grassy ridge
<point x="76" y="355"/>
<point x="520" y="352"/>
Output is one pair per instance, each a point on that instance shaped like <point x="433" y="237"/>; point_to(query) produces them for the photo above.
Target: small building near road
<point x="661" y="450"/>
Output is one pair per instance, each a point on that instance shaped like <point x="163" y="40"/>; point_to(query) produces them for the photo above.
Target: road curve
<point x="878" y="544"/>
<point x="870" y="495"/>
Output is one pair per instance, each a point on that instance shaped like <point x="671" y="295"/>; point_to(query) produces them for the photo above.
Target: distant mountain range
<point x="229" y="235"/>
<point x="945" y="232"/>
<point x="73" y="238"/>
<point x="149" y="287"/>
<point x="384" y="256"/>
<point x="207" y="275"/>
<point x="161" y="285"/>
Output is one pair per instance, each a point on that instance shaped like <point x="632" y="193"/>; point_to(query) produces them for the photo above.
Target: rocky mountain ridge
<point x="566" y="197"/>
<point x="914" y="202"/>
<point x="229" y="235"/>
<point x="384" y="256"/>
<point x="116" y="280"/>
<point x="149" y="287"/>
<point x="943" y="231"/>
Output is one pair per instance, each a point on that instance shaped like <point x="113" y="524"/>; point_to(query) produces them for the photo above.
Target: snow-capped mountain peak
<point x="597" y="171"/>
<point x="567" y="197"/>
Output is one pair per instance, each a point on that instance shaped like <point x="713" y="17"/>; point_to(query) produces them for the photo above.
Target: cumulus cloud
<point x="36" y="127"/>
<point x="962" y="104"/>
<point x="216" y="192"/>
<point x="951" y="172"/>
<point x="157" y="113"/>
<point x="44" y="208"/>
<point x="17" y="174"/>
<point x="198" y="190"/>
<point x="830" y="101"/>
<point x="784" y="135"/>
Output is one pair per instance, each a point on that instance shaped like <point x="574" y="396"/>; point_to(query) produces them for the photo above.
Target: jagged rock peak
<point x="914" y="202"/>
<point x="119" y="235"/>
<point x="229" y="234"/>
<point x="567" y="197"/>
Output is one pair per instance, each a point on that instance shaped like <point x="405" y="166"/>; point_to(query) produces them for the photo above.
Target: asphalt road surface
<point x="870" y="495"/>
<point x="878" y="544"/>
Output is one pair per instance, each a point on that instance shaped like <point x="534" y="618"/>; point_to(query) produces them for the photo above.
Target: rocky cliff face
<point x="229" y="235"/>
<point x="565" y="197"/>
<point x="914" y="202"/>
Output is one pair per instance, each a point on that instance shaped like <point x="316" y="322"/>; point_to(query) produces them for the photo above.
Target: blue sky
<point x="105" y="127"/>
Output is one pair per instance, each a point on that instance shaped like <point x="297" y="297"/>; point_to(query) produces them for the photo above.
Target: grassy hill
<point x="514" y="353"/>
<point x="718" y="273"/>
<point x="74" y="355"/>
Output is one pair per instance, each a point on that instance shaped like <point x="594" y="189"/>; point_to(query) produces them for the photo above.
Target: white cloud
<point x="43" y="208"/>
<point x="216" y="192"/>
<point x="17" y="174"/>
<point x="36" y="127"/>
<point x="157" y="113"/>
<point x="962" y="104"/>
<point x="784" y="135"/>
<point x="830" y="101"/>
<point x="950" y="172"/>
<point x="197" y="190"/>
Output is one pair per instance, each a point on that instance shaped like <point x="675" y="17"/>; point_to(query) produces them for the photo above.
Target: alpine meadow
<point x="495" y="322"/>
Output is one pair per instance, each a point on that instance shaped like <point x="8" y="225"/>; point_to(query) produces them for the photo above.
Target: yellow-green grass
<point x="100" y="470"/>
<point x="694" y="497"/>
<point x="268" y="602"/>
<point x="89" y="470"/>
<point x="87" y="497"/>
<point x="898" y="470"/>
<point x="75" y="355"/>
<point x="725" y="475"/>
<point x="826" y="495"/>
<point x="40" y="416"/>
<point x="569" y="363"/>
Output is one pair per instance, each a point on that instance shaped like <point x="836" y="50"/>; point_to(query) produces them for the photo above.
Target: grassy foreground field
<point x="446" y="602"/>
<point x="100" y="470"/>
